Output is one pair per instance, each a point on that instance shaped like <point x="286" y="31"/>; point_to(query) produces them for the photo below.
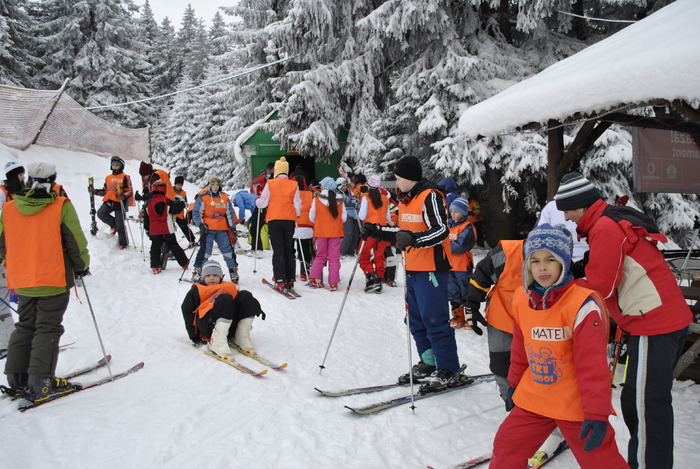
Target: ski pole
<point x="194" y="249"/>
<point x="340" y="312"/>
<point x="9" y="305"/>
<point x="143" y="251"/>
<point x="126" y="222"/>
<point x="257" y="240"/>
<point x="97" y="329"/>
<point x="303" y="258"/>
<point x="408" y="330"/>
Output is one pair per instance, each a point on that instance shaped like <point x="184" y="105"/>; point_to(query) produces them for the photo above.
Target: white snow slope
<point x="185" y="409"/>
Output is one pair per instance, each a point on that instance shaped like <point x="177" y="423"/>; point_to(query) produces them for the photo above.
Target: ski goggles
<point x="213" y="180"/>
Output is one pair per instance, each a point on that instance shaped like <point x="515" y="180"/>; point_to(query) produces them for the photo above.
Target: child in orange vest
<point x="328" y="215"/>
<point x="559" y="374"/>
<point x="374" y="208"/>
<point x="462" y="240"/>
<point x="217" y="312"/>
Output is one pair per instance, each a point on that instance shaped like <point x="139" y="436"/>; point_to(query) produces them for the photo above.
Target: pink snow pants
<point x="327" y="249"/>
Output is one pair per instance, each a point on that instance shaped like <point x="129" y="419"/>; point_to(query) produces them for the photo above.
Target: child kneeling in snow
<point x="217" y="312"/>
<point x="559" y="374"/>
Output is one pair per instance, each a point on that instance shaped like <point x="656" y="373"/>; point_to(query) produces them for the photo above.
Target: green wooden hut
<point x="260" y="148"/>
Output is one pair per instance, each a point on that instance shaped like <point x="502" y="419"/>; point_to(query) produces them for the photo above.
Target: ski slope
<point x="185" y="409"/>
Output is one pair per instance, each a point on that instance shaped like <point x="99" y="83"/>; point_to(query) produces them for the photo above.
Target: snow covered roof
<point x="655" y="58"/>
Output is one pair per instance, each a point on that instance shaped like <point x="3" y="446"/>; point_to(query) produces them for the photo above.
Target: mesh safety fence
<point x="35" y="116"/>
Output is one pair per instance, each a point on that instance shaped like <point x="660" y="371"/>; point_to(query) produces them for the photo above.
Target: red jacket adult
<point x="630" y="272"/>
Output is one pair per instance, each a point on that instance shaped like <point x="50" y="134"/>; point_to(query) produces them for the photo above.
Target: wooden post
<point x="53" y="106"/>
<point x="555" y="153"/>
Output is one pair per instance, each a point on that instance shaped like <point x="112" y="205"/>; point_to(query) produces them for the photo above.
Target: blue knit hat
<point x="555" y="239"/>
<point x="461" y="205"/>
<point x="328" y="183"/>
<point x="575" y="191"/>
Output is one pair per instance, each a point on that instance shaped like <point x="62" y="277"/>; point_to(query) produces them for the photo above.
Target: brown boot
<point x="457" y="320"/>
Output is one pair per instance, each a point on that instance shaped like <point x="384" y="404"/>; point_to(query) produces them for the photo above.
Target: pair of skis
<point x="563" y="446"/>
<point x="99" y="364"/>
<point x="390" y="403"/>
<point x="243" y="368"/>
<point x="289" y="295"/>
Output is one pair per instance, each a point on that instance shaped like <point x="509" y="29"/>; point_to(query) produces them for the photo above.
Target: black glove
<point x="578" y="269"/>
<point x="203" y="229"/>
<point x="509" y="399"/>
<point x="473" y="317"/>
<point x="138" y="196"/>
<point x="597" y="430"/>
<point x="404" y="239"/>
<point x="82" y="273"/>
<point x="198" y="341"/>
<point x="369" y="230"/>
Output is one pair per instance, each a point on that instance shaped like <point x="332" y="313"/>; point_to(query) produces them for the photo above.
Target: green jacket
<point x="75" y="252"/>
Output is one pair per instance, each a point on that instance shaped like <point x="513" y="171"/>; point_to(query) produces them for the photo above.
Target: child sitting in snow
<point x="559" y="374"/>
<point x="217" y="312"/>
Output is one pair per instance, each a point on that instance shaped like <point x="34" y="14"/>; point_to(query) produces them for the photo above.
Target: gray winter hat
<point x="211" y="267"/>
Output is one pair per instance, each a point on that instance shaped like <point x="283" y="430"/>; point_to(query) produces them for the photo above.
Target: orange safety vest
<point x="377" y="215"/>
<point x="208" y="295"/>
<point x="549" y="387"/>
<point x="307" y="198"/>
<point x="215" y="211"/>
<point x="411" y="219"/>
<point x="281" y="206"/>
<point x="326" y="226"/>
<point x="499" y="301"/>
<point x="165" y="177"/>
<point x="460" y="262"/>
<point x="182" y="194"/>
<point x="114" y="184"/>
<point x="34" y="246"/>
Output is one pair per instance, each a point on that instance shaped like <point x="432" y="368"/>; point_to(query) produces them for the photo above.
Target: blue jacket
<point x="244" y="200"/>
<point x="451" y="190"/>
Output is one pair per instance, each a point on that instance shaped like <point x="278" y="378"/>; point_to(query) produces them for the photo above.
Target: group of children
<point x="548" y="332"/>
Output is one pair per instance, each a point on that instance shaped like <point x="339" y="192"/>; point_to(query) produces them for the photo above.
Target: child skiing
<point x="161" y="212"/>
<point x="462" y="240"/>
<point x="116" y="192"/>
<point x="374" y="208"/>
<point x="181" y="219"/>
<point x="216" y="312"/>
<point x="328" y="215"/>
<point x="281" y="198"/>
<point x="214" y="215"/>
<point x="559" y="374"/>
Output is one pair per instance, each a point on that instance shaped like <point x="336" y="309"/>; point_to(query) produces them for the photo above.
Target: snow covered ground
<point x="185" y="409"/>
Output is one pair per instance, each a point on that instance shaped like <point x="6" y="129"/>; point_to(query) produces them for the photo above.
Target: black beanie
<point x="575" y="191"/>
<point x="179" y="179"/>
<point x="409" y="167"/>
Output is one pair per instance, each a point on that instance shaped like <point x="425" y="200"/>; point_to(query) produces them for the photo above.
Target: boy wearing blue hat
<point x="559" y="374"/>
<point x="462" y="240"/>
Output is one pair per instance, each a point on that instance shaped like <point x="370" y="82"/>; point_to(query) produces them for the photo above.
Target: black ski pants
<point x="282" y="241"/>
<point x="646" y="398"/>
<point x="33" y="346"/>
<point x="157" y="242"/>
<point x="104" y="213"/>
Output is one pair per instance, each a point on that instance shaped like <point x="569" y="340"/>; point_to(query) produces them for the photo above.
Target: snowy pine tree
<point x="18" y="61"/>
